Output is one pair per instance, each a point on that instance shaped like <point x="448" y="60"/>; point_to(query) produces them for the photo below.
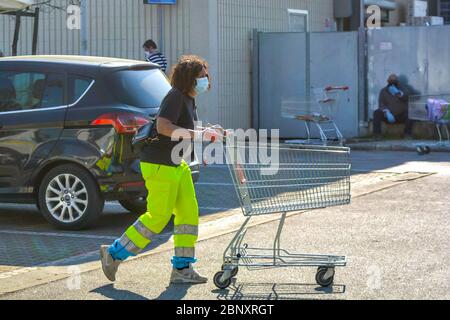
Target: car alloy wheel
<point x="70" y="198"/>
<point x="66" y="198"/>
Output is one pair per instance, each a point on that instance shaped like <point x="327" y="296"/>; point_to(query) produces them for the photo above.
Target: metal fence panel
<point x="334" y="62"/>
<point x="292" y="65"/>
<point x="419" y="55"/>
<point x="282" y="78"/>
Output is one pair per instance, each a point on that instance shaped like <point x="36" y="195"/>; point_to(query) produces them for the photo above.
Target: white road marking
<point x="61" y="235"/>
<point x="71" y="260"/>
<point x="16" y="272"/>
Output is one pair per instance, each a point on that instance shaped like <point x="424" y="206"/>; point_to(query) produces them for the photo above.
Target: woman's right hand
<point x="214" y="135"/>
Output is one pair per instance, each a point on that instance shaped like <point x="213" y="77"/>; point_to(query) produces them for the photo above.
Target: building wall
<point x="219" y="30"/>
<point x="54" y="37"/>
<point x="116" y="28"/>
<point x="119" y="27"/>
<point x="435" y="8"/>
<point x="236" y="20"/>
<point x="444" y="10"/>
<point x="399" y="15"/>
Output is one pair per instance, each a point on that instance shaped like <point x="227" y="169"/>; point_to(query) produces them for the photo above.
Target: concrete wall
<point x="236" y="20"/>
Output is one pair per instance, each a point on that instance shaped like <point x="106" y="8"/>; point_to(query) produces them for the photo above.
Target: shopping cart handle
<point x="332" y="88"/>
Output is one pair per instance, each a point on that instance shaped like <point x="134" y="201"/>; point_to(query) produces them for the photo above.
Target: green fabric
<point x="170" y="192"/>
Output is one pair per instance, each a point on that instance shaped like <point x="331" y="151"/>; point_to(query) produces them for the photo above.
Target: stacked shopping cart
<point x="318" y="115"/>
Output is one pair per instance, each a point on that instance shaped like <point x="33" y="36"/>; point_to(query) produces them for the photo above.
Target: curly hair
<point x="185" y="73"/>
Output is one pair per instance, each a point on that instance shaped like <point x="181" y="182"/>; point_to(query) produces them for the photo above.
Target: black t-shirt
<point x="180" y="109"/>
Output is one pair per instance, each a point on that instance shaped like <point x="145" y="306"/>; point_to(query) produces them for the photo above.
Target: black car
<point x="66" y="125"/>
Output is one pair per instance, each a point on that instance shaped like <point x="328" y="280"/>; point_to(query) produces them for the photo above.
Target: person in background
<point x="153" y="55"/>
<point x="1" y="54"/>
<point x="393" y="108"/>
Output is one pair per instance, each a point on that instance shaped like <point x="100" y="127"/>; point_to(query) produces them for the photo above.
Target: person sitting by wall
<point x="393" y="108"/>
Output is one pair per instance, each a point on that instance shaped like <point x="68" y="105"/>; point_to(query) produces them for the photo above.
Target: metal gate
<point x="289" y="66"/>
<point x="419" y="55"/>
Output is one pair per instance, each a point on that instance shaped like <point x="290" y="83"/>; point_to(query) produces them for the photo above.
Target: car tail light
<point x="123" y="123"/>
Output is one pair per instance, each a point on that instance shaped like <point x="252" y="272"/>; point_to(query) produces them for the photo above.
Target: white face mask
<point x="202" y="85"/>
<point x="147" y="55"/>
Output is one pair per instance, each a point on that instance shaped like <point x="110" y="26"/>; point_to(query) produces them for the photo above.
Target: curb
<point x="394" y="147"/>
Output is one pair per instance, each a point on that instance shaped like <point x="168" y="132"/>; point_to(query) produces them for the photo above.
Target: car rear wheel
<point x="137" y="206"/>
<point x="69" y="198"/>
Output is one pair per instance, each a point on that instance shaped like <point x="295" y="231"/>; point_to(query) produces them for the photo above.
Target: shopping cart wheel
<point x="325" y="276"/>
<point x="234" y="272"/>
<point x="218" y="281"/>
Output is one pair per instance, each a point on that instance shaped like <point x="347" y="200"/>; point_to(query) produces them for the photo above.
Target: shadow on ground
<point x="112" y="293"/>
<point x="276" y="291"/>
<point x="172" y="292"/>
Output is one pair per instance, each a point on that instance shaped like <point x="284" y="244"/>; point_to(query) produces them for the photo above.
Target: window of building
<point x="445" y="10"/>
<point x="298" y="20"/>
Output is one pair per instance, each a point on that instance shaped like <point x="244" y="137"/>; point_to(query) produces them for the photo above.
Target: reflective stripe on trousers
<point x="170" y="192"/>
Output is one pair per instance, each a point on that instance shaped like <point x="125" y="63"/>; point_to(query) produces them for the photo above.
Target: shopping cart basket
<point x="308" y="177"/>
<point x="435" y="109"/>
<point x="319" y="113"/>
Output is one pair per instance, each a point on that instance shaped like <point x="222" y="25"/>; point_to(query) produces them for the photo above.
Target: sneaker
<point x="187" y="276"/>
<point x="109" y="265"/>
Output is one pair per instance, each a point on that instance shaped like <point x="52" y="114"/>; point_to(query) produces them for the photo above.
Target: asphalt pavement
<point x="395" y="234"/>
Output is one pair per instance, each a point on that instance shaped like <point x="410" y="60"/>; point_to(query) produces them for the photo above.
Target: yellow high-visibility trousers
<point x="170" y="192"/>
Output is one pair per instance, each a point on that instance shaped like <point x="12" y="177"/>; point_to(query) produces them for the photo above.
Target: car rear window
<point x="78" y="86"/>
<point x="139" y="88"/>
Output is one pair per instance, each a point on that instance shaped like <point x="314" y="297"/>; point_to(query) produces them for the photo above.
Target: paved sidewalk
<point x="397" y="145"/>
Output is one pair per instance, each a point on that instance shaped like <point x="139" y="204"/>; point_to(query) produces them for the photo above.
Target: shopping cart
<point x="320" y="113"/>
<point x="432" y="108"/>
<point x="307" y="177"/>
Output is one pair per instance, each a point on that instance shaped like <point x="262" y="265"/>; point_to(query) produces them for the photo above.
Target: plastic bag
<point x="438" y="110"/>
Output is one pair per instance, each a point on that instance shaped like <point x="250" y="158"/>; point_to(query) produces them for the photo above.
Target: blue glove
<point x="395" y="91"/>
<point x="389" y="116"/>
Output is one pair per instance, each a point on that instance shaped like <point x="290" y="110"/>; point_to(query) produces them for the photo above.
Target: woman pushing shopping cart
<point x="168" y="179"/>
